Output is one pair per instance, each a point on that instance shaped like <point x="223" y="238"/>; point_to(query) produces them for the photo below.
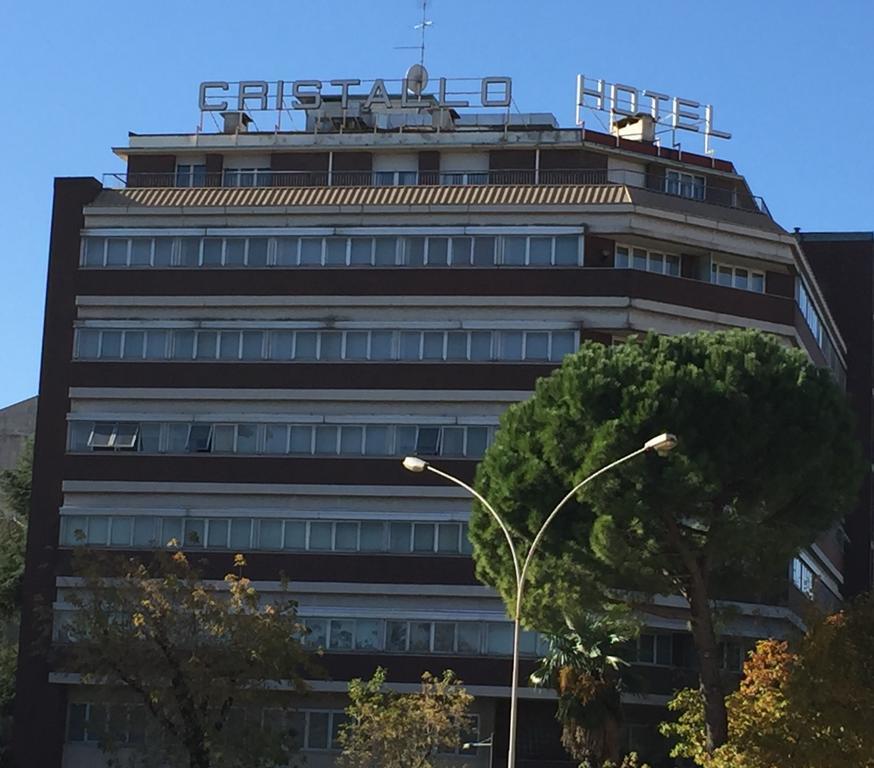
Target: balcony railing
<point x="699" y="190"/>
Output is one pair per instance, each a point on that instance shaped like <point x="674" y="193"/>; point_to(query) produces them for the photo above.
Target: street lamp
<point x="489" y="742"/>
<point x="661" y="444"/>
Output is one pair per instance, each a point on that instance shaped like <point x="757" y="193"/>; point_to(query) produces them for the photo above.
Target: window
<point x="295" y="534"/>
<point x="121" y="530"/>
<point x="654" y="649"/>
<point x="342" y="634"/>
<point x="423" y="537"/>
<point x="320" y="536"/>
<point x="276" y="438"/>
<point x="290" y="345"/>
<point x="93" y="252"/>
<point x="280" y="439"/>
<point x="246" y="177"/>
<point x="428" y="441"/>
<point x="91" y="723"/>
<point x="346" y="537"/>
<point x="811" y="316"/>
<point x="499" y="639"/>
<point x="88" y="345"/>
<point x="314" y="730"/>
<point x="633" y="257"/>
<point x="284" y="251"/>
<point x="199" y="438"/>
<point x="241" y="534"/>
<point x="110" y="345"/>
<point x="317" y="632"/>
<point x="102" y="435"/>
<point x="567" y="251"/>
<point x="74" y="530"/>
<point x="108" y="436"/>
<point x="802" y="577"/>
<point x="126" y="436"/>
<point x="396" y="636"/>
<point x="116" y="252"/>
<point x="139" y="530"/>
<point x="191" y="175"/>
<point x="730" y="656"/>
<point x="420" y="636"/>
<point x="685" y="185"/>
<point x="400" y="537"/>
<point x="444" y="637"/>
<point x="270" y="534"/>
<point x="514" y="251"/>
<point x="367" y="634"/>
<point x="737" y="277"/>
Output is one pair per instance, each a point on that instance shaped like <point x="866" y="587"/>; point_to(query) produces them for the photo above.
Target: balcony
<point x="685" y="186"/>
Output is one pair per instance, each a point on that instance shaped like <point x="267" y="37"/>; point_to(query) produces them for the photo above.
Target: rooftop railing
<point x="684" y="185"/>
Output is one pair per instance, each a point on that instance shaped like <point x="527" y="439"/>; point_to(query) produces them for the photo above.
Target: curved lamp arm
<point x="482" y="500"/>
<point x="568" y="496"/>
<point x="661" y="444"/>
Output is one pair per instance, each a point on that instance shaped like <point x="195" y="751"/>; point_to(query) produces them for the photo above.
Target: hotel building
<point x="247" y="330"/>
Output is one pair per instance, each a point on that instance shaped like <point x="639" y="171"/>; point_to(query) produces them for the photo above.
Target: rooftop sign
<point x="279" y="95"/>
<point x="626" y="100"/>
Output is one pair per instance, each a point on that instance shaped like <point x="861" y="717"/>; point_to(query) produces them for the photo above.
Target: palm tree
<point x="582" y="665"/>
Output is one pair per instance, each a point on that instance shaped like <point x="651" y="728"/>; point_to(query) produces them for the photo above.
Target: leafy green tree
<point x="15" y="494"/>
<point x="15" y="487"/>
<point x="386" y="729"/>
<point x="808" y="708"/>
<point x="583" y="665"/>
<point x="195" y="656"/>
<point x="766" y="461"/>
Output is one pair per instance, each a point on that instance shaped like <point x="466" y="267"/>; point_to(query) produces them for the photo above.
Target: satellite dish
<point x="416" y="79"/>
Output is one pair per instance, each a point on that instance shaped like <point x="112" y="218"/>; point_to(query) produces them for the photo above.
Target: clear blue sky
<point x="792" y="79"/>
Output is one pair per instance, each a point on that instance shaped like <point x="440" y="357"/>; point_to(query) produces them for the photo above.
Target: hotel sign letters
<point x="261" y="95"/>
<point x="626" y="100"/>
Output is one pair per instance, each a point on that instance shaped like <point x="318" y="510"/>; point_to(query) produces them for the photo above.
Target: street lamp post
<point x="489" y="742"/>
<point x="660" y="444"/>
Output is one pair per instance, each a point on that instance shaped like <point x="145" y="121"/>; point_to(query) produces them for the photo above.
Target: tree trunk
<point x="198" y="757"/>
<point x="198" y="752"/>
<point x="715" y="716"/>
<point x="612" y="740"/>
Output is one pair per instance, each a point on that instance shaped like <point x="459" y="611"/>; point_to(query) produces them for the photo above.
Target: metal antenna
<point x="423" y="26"/>
<point x="425" y="23"/>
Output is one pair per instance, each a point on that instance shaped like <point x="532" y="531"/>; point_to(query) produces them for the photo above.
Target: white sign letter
<point x="307" y="99"/>
<point x="206" y="107"/>
<point x="680" y="115"/>
<point x="708" y="125"/>
<point x="583" y="91"/>
<point x="615" y="95"/>
<point x="655" y="97"/>
<point x="344" y="90"/>
<point x="441" y="99"/>
<point x="378" y="95"/>
<point x="503" y="98"/>
<point x="252" y="89"/>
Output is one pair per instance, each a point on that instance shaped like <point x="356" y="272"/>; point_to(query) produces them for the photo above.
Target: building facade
<point x="247" y="331"/>
<point x="843" y="263"/>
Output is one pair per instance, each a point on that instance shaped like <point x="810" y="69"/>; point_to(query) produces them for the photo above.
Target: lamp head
<point x="661" y="444"/>
<point x="414" y="464"/>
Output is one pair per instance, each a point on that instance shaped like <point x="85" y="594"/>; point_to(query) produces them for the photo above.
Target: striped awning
<point x="335" y="197"/>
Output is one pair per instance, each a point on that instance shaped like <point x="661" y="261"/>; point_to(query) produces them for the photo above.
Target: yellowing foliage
<point x="811" y="708"/>
<point x="394" y="730"/>
<point x="195" y="655"/>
